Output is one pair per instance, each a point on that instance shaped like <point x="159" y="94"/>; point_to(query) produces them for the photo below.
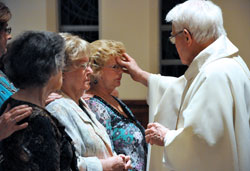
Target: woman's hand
<point x="116" y="163"/>
<point x="131" y="67"/>
<point x="10" y="118"/>
<point x="87" y="96"/>
<point x="52" y="97"/>
<point x="127" y="161"/>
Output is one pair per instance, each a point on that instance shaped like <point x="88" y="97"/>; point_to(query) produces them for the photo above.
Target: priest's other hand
<point x="155" y="134"/>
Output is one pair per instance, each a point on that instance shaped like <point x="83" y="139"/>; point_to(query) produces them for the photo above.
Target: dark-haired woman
<point x="34" y="63"/>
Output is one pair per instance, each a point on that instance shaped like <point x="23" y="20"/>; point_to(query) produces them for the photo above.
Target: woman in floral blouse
<point x="126" y="133"/>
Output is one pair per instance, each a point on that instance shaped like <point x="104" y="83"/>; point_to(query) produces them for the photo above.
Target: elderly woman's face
<point x="79" y="78"/>
<point x="111" y="74"/>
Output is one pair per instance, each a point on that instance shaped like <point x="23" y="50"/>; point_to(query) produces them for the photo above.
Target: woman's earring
<point x="95" y="81"/>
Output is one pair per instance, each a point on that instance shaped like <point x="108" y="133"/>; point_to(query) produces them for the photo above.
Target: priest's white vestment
<point x="207" y="110"/>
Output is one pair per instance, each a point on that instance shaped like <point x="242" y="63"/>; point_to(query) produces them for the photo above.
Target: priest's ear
<point x="188" y="37"/>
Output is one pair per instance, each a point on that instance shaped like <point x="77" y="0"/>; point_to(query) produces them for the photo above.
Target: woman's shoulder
<point x="36" y="110"/>
<point x="45" y="123"/>
<point x="63" y="109"/>
<point x="39" y="116"/>
<point x="63" y="103"/>
<point x="39" y="119"/>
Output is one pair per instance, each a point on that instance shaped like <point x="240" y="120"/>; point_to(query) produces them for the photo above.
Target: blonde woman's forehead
<point x="112" y="60"/>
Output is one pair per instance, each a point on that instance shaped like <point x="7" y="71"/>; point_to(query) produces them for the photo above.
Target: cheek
<point x="180" y="51"/>
<point x="85" y="78"/>
<point x="106" y="79"/>
<point x="86" y="82"/>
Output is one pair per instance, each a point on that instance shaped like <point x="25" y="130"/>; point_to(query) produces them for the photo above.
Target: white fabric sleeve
<point x="157" y="85"/>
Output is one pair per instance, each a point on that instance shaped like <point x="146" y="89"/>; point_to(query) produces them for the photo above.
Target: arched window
<point x="79" y="17"/>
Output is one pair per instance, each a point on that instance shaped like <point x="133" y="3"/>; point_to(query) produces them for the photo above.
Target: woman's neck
<point x="74" y="95"/>
<point x="33" y="95"/>
<point x="101" y="92"/>
<point x="106" y="95"/>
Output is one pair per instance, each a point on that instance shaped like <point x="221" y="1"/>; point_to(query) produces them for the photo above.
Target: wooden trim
<point x="139" y="109"/>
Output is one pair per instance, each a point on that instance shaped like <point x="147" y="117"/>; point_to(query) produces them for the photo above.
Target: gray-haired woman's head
<point x="75" y="48"/>
<point x="33" y="58"/>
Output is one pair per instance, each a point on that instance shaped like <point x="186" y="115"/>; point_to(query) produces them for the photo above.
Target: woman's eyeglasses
<point x="7" y="30"/>
<point x="115" y="67"/>
<point x="92" y="64"/>
<point x="172" y="37"/>
<point x="85" y="65"/>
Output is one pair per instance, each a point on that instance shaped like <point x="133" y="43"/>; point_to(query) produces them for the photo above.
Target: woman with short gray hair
<point x="34" y="63"/>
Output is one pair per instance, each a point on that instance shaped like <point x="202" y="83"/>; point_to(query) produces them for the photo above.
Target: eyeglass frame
<point x="85" y="65"/>
<point x="7" y="30"/>
<point x="172" y="37"/>
<point x="115" y="67"/>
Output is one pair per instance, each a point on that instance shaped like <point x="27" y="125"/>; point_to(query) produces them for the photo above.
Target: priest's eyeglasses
<point x="172" y="37"/>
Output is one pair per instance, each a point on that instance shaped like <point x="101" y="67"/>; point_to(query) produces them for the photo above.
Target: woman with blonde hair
<point x="125" y="131"/>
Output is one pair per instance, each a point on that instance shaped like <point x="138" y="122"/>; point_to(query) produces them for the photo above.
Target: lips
<point x="119" y="78"/>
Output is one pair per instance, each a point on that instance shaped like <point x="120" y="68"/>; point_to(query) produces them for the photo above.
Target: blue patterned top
<point x="127" y="134"/>
<point x="6" y="88"/>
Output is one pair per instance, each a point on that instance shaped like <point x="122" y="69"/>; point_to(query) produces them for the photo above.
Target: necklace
<point x="112" y="102"/>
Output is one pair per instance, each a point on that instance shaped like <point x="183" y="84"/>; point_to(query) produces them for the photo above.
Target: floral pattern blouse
<point x="126" y="133"/>
<point x="42" y="146"/>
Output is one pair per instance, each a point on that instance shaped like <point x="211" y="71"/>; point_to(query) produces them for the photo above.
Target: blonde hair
<point x="75" y="49"/>
<point x="103" y="50"/>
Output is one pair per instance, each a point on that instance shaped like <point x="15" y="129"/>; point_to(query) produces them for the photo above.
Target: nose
<point x="9" y="36"/>
<point x="120" y="70"/>
<point x="89" y="69"/>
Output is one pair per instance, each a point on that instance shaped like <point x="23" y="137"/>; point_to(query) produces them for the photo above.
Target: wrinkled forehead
<point x="83" y="59"/>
